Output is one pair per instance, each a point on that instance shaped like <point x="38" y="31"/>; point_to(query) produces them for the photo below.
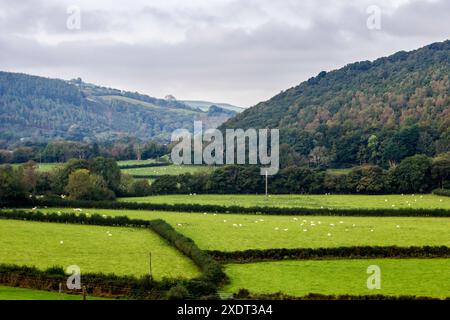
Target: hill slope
<point x="205" y="105"/>
<point x="403" y="100"/>
<point x="41" y="109"/>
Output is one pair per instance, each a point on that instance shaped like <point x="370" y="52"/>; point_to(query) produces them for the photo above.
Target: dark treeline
<point x="62" y="151"/>
<point x="78" y="179"/>
<point x="101" y="179"/>
<point x="416" y="174"/>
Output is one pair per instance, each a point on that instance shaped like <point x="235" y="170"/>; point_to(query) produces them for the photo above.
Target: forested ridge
<point x="40" y="109"/>
<point x="367" y="112"/>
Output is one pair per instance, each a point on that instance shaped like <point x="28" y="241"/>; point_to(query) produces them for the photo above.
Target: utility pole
<point x="267" y="186"/>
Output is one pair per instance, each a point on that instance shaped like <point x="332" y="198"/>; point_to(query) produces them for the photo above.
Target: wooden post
<point x="84" y="293"/>
<point x="60" y="287"/>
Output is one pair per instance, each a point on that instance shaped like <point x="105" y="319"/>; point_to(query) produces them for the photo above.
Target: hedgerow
<point x="244" y="294"/>
<point x="145" y="176"/>
<point x="256" y="255"/>
<point x="378" y="212"/>
<point x="442" y="192"/>
<point x="98" y="284"/>
<point x="142" y="165"/>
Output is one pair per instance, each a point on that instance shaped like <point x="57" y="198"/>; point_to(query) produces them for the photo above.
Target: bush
<point x="140" y="188"/>
<point x="83" y="185"/>
<point x="442" y="192"/>
<point x="12" y="186"/>
<point x="178" y="292"/>
<point x="413" y="175"/>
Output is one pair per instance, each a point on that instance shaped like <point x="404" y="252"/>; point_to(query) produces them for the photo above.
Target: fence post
<point x="84" y="292"/>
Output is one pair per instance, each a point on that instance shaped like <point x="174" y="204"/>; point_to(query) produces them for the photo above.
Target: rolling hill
<point x="377" y="112"/>
<point x="40" y="109"/>
<point x="205" y="105"/>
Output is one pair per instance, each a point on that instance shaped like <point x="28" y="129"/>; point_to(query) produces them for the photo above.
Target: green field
<point x="229" y="232"/>
<point x="417" y="201"/>
<point x="167" y="170"/>
<point x="135" y="162"/>
<point x="123" y="251"/>
<point x="148" y="105"/>
<point x="9" y="293"/>
<point x="339" y="277"/>
<point x="43" y="167"/>
<point x="339" y="171"/>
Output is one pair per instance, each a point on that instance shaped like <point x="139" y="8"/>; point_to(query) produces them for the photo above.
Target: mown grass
<point x="10" y="293"/>
<point x="122" y="251"/>
<point x="167" y="170"/>
<point x="417" y="201"/>
<point x="419" y="277"/>
<point x="231" y="232"/>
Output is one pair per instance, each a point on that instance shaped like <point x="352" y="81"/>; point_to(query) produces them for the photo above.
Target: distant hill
<point x="205" y="105"/>
<point x="40" y="109"/>
<point x="366" y="112"/>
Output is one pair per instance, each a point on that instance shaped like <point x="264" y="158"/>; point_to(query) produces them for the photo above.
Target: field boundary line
<point x="195" y="208"/>
<point x="337" y="253"/>
<point x="205" y="284"/>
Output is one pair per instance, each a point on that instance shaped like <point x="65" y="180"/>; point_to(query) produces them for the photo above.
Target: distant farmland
<point x="417" y="201"/>
<point x="166" y="170"/>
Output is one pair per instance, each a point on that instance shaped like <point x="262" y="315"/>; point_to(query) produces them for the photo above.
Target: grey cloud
<point x="221" y="57"/>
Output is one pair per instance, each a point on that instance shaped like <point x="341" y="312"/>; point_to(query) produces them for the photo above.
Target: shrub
<point x="442" y="192"/>
<point x="178" y="292"/>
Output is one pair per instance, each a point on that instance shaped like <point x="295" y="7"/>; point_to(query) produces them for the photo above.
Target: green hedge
<point x="145" y="176"/>
<point x="211" y="271"/>
<point x="442" y="192"/>
<point x="256" y="255"/>
<point x="244" y="294"/>
<point x="57" y="202"/>
<point x="204" y="285"/>
<point x="102" y="285"/>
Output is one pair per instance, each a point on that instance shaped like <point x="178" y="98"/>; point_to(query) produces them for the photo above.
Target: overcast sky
<point x="241" y="52"/>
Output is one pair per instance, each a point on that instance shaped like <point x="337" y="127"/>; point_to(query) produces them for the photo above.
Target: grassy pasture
<point x="42" y="167"/>
<point x="339" y="171"/>
<point x="230" y="232"/>
<point x="135" y="162"/>
<point x="417" y="201"/>
<point x="419" y="277"/>
<point x="167" y="170"/>
<point x="148" y="105"/>
<point x="10" y="293"/>
<point x="92" y="248"/>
